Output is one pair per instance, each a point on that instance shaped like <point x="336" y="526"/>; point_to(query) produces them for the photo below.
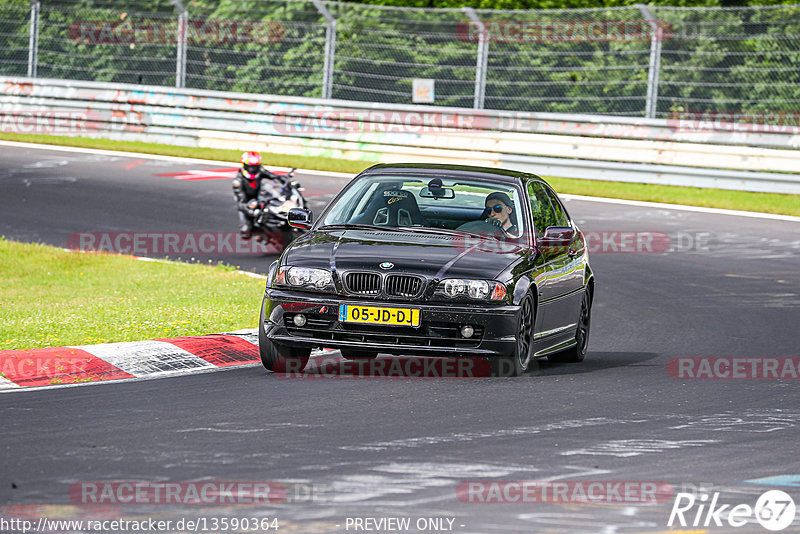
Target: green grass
<point x="693" y="196"/>
<point x="51" y="297"/>
<point x="278" y="160"/>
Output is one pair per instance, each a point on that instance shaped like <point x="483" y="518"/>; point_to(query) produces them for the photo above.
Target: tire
<point x="516" y="363"/>
<point x="352" y="354"/>
<point x="578" y="352"/>
<point x="280" y="358"/>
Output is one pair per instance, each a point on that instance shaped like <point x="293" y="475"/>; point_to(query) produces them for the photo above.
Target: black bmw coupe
<point x="432" y="260"/>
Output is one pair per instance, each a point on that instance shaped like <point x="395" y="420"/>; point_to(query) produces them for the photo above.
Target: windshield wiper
<point x="447" y="231"/>
<point x="405" y="229"/>
<point x="350" y="226"/>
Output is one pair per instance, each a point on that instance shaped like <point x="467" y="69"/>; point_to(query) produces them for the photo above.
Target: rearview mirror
<point x="437" y="192"/>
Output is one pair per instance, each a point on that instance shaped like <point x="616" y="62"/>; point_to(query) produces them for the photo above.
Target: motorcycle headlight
<point x="304" y="277"/>
<point x="473" y="289"/>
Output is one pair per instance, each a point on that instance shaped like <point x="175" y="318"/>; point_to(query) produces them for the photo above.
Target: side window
<point x="541" y="209"/>
<point x="560" y="213"/>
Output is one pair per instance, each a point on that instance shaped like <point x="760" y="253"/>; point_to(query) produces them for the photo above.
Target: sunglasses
<point x="497" y="208"/>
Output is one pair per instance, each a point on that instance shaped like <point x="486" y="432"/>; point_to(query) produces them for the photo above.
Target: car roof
<point x="443" y="169"/>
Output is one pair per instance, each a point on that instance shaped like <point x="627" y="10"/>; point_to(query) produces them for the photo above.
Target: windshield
<point x="444" y="204"/>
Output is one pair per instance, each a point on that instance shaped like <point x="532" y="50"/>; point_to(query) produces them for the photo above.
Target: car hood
<point x="432" y="255"/>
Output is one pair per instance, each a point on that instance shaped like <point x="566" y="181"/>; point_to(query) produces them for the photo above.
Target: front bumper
<point x="438" y="334"/>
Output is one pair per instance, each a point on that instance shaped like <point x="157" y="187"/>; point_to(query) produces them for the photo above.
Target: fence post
<point x="483" y="58"/>
<point x="180" y="60"/>
<point x="33" y="42"/>
<point x="651" y="102"/>
<point x="330" y="48"/>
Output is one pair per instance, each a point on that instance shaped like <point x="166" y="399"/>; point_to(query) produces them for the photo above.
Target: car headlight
<point x="473" y="289"/>
<point x="304" y="277"/>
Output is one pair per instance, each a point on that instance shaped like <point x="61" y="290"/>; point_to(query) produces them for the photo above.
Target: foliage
<point x="733" y="60"/>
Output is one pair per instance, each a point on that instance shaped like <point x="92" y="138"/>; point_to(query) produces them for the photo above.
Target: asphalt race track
<point x="348" y="448"/>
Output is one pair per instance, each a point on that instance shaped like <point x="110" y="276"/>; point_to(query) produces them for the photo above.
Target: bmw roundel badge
<point x="386" y="265"/>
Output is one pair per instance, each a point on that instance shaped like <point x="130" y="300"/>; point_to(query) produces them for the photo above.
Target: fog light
<point x="299" y="320"/>
<point x="467" y="331"/>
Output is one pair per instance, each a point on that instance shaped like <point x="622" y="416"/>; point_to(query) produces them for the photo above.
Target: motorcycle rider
<point x="246" y="188"/>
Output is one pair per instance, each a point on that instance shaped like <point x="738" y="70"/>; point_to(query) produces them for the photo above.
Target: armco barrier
<point x="579" y="146"/>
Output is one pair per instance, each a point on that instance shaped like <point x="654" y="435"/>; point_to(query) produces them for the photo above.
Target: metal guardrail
<point x="653" y="151"/>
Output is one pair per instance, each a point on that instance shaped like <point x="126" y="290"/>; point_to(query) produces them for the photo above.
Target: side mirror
<point x="299" y="218"/>
<point x="557" y="237"/>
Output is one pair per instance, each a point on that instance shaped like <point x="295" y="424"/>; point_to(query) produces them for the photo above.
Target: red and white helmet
<point x="251" y="164"/>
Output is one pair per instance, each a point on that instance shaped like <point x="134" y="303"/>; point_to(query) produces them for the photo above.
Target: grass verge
<point x="278" y="160"/>
<point x="693" y="196"/>
<point x="690" y="196"/>
<point x="51" y="297"/>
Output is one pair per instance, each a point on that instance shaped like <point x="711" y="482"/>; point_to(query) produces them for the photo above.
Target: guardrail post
<point x="330" y="48"/>
<point x="482" y="63"/>
<point x="655" y="62"/>
<point x="33" y="42"/>
<point x="180" y="60"/>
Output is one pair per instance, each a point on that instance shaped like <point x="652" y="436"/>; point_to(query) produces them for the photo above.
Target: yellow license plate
<point x="349" y="313"/>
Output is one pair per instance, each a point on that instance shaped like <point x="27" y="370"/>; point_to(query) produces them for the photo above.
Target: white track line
<point x="161" y="260"/>
<point x="681" y="207"/>
<point x="5" y="383"/>
<point x="171" y="262"/>
<point x="160" y="157"/>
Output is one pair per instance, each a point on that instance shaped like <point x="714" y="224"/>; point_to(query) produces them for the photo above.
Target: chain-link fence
<point x="731" y="60"/>
<point x="634" y="61"/>
<point x="15" y="32"/>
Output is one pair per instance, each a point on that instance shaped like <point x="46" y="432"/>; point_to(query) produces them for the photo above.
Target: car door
<point x="567" y="274"/>
<point x="556" y="265"/>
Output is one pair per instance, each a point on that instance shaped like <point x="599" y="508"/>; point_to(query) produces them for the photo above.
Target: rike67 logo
<point x="774" y="510"/>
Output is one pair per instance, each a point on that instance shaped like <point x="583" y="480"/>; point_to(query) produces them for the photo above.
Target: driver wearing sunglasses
<point x="499" y="211"/>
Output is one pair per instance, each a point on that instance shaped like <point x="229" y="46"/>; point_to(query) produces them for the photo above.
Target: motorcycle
<point x="274" y="201"/>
